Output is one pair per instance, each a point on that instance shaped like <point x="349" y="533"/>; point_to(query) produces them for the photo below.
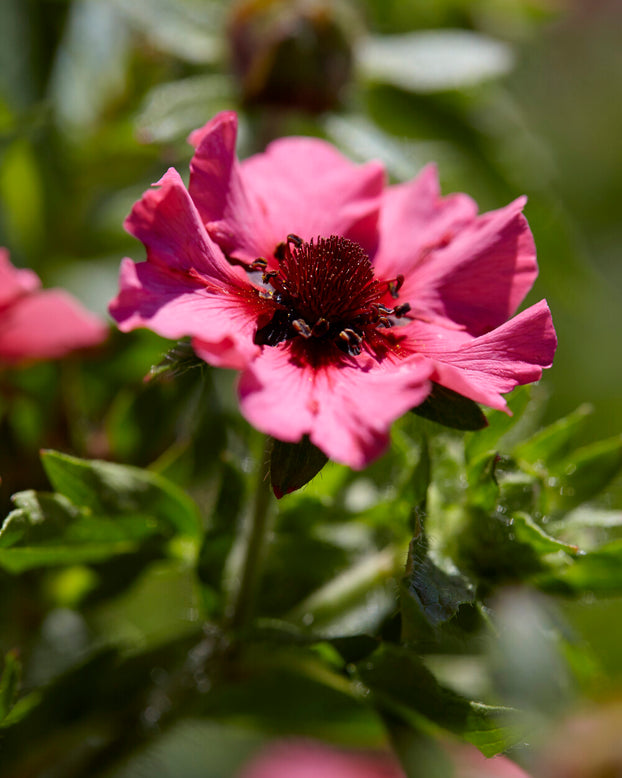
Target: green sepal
<point x="292" y="465"/>
<point x="451" y="409"/>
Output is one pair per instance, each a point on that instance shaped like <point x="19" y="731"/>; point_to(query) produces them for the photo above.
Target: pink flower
<point x="340" y="299"/>
<point x="308" y="759"/>
<point x="40" y="324"/>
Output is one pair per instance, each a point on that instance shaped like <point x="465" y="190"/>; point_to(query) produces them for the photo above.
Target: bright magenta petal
<point x="235" y="216"/>
<point x="298" y="185"/>
<point x="14" y="282"/>
<point x="166" y="220"/>
<point x="485" y="367"/>
<point x="472" y="270"/>
<point x="346" y="410"/>
<point x="179" y="306"/>
<point x="47" y="325"/>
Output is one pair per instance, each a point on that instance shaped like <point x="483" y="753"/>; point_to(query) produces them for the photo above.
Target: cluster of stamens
<point x="325" y="291"/>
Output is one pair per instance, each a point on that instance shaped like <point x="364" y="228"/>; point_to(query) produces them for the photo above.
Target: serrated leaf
<point x="432" y="61"/>
<point x="292" y="465"/>
<point x="451" y="409"/>
<point x="177" y="361"/>
<point x="430" y="596"/>
<point x="109" y="489"/>
<point x="403" y="686"/>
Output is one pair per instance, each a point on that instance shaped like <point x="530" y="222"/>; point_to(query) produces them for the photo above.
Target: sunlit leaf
<point x="91" y="66"/>
<point x="434" y="60"/>
<point x="111" y="489"/>
<point x="48" y="530"/>
<point x="172" y="110"/>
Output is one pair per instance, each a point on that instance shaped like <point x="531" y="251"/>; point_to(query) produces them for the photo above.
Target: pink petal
<point x="301" y="759"/>
<point x="235" y="216"/>
<point x="14" y="282"/>
<point x="298" y="185"/>
<point x="308" y="188"/>
<point x="415" y="219"/>
<point x="166" y="220"/>
<point x="47" y="325"/>
<point x="485" y="367"/>
<point x="472" y="270"/>
<point x="176" y="306"/>
<point x="346" y="410"/>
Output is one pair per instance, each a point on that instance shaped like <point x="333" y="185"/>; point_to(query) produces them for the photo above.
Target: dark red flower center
<point x="325" y="290"/>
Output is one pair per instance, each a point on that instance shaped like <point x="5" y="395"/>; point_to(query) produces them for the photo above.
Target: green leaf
<point x="90" y="71"/>
<point x="583" y="474"/>
<point x="47" y="529"/>
<point x="172" y="110"/>
<point x="9" y="683"/>
<point x="431" y="597"/>
<point x="598" y="572"/>
<point x="290" y="691"/>
<point x="433" y="61"/>
<point x="526" y="531"/>
<point x="189" y="29"/>
<point x="403" y="686"/>
<point x="292" y="465"/>
<point x="451" y="409"/>
<point x="109" y="489"/>
<point x="499" y="425"/>
<point x="552" y="442"/>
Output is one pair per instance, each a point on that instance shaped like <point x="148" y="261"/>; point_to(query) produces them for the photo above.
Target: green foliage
<point x="464" y="586"/>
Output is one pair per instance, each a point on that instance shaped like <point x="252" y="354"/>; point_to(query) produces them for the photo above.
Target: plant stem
<point x="253" y="547"/>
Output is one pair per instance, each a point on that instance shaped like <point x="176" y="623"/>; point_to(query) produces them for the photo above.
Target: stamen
<point x="325" y="291"/>
<point x="302" y="328"/>
<point x="395" y="285"/>
<point x="258" y="264"/>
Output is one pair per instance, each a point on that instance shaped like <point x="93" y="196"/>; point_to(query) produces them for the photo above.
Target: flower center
<point x="325" y="291"/>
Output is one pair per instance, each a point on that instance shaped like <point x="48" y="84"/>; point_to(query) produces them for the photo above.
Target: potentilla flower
<point x="37" y="323"/>
<point x="339" y="298"/>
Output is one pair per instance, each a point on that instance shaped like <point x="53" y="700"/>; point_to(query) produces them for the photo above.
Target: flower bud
<point x="294" y="53"/>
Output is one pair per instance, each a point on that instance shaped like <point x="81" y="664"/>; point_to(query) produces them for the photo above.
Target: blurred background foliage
<point x="97" y="98"/>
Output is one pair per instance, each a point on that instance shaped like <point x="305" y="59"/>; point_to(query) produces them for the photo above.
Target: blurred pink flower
<point x="340" y="299"/>
<point x="307" y="759"/>
<point x="40" y="324"/>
